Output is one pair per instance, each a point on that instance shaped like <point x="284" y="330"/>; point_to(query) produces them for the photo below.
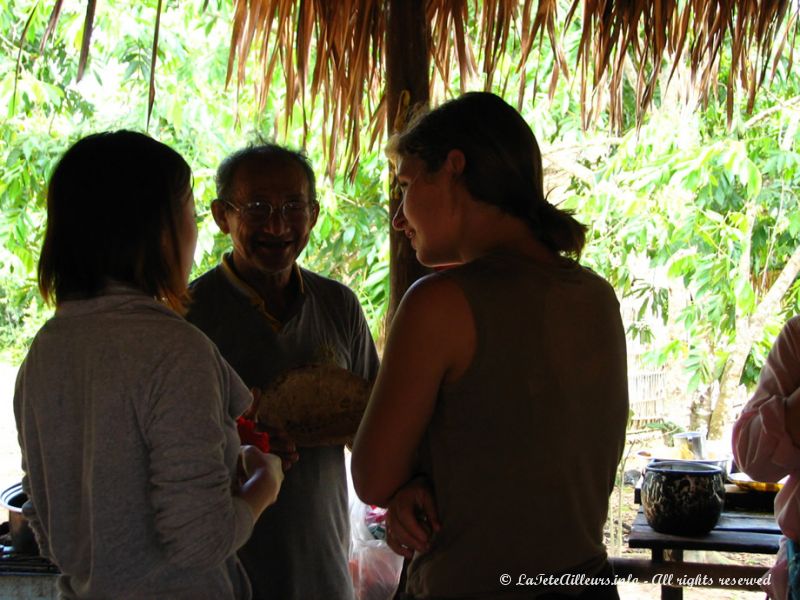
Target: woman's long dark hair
<point x="503" y="162"/>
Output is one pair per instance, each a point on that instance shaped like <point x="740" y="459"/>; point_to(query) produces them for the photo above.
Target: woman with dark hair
<point x="137" y="484"/>
<point x="498" y="417"/>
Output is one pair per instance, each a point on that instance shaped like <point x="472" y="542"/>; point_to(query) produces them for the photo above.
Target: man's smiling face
<point x="268" y="246"/>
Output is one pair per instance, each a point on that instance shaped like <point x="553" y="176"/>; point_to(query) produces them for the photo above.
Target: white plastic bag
<point x="374" y="566"/>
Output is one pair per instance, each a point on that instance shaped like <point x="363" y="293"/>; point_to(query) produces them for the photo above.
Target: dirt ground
<point x="624" y="512"/>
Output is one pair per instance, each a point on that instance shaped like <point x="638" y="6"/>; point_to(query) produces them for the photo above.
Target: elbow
<point x="192" y="557"/>
<point x="202" y="543"/>
<point x="372" y="495"/>
<point x="368" y="484"/>
<point x="361" y="482"/>
<point x="761" y="469"/>
<point x="754" y="452"/>
<point x="747" y="441"/>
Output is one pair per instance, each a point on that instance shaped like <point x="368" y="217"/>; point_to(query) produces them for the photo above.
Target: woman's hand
<point x="261" y="476"/>
<point x="412" y="518"/>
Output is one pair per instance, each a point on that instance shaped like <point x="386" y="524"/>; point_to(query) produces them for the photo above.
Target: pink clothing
<point x="762" y="447"/>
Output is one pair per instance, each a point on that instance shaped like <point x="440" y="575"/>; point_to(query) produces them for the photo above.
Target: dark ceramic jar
<point x="682" y="497"/>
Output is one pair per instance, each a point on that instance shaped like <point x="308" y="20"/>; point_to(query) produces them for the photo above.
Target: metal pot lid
<point x="12" y="498"/>
<point x="684" y="466"/>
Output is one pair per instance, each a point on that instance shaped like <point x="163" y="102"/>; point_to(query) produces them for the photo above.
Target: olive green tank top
<point x="523" y="449"/>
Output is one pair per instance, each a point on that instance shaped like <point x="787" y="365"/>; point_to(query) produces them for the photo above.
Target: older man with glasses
<point x="267" y="315"/>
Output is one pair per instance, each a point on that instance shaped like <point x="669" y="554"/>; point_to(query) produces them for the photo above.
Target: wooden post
<point x="407" y="84"/>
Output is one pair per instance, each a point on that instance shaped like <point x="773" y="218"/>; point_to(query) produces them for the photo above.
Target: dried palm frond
<point x="88" y="25"/>
<point x="652" y="32"/>
<point x="449" y="21"/>
<point x="151" y="95"/>
<point x="51" y="24"/>
<point x="19" y="55"/>
<point x="791" y="25"/>
<point x="496" y="21"/>
<point x="546" y="15"/>
<point x="345" y="41"/>
<point x="333" y="51"/>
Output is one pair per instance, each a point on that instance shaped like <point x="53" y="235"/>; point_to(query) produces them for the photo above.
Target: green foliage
<point x="708" y="209"/>
<point x="667" y="429"/>
<point x="350" y="242"/>
<point x="45" y="109"/>
<point x="682" y="203"/>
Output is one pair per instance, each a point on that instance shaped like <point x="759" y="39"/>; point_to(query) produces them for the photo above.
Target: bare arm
<point x="432" y="340"/>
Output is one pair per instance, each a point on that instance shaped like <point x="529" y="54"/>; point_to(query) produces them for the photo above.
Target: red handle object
<point x="249" y="435"/>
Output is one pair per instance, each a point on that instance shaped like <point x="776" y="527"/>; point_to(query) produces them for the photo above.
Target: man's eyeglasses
<point x="259" y="212"/>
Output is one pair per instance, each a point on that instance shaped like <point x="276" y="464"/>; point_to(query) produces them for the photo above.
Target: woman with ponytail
<point x="498" y="417"/>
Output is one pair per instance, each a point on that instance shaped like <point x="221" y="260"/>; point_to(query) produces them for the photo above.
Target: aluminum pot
<point x="22" y="538"/>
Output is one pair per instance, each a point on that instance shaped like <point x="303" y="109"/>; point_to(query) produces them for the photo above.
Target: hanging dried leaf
<point x="619" y="40"/>
<point x="51" y="24"/>
<point x="88" y="24"/>
<point x="344" y="39"/>
<point x="151" y="96"/>
<point x="19" y="55"/>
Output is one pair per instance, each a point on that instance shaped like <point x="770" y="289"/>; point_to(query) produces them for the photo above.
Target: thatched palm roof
<point x="335" y="49"/>
<point x="352" y="56"/>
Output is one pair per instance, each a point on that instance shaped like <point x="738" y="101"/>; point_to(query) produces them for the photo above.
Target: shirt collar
<point x="252" y="296"/>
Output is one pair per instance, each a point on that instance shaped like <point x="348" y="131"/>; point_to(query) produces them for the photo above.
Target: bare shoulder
<point x="436" y="295"/>
<point x="435" y="309"/>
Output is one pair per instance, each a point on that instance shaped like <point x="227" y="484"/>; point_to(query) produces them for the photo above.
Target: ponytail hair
<point x="503" y="165"/>
<point x="558" y="229"/>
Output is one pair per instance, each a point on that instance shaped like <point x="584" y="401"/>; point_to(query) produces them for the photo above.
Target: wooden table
<point x="737" y="531"/>
<point x="746" y="526"/>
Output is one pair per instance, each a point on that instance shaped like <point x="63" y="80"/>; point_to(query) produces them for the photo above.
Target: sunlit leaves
<point x="718" y="209"/>
<point x="193" y="112"/>
<point x="682" y="206"/>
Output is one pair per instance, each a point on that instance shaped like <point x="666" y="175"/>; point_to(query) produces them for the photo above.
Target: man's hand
<point x="280" y="443"/>
<point x="412" y="518"/>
